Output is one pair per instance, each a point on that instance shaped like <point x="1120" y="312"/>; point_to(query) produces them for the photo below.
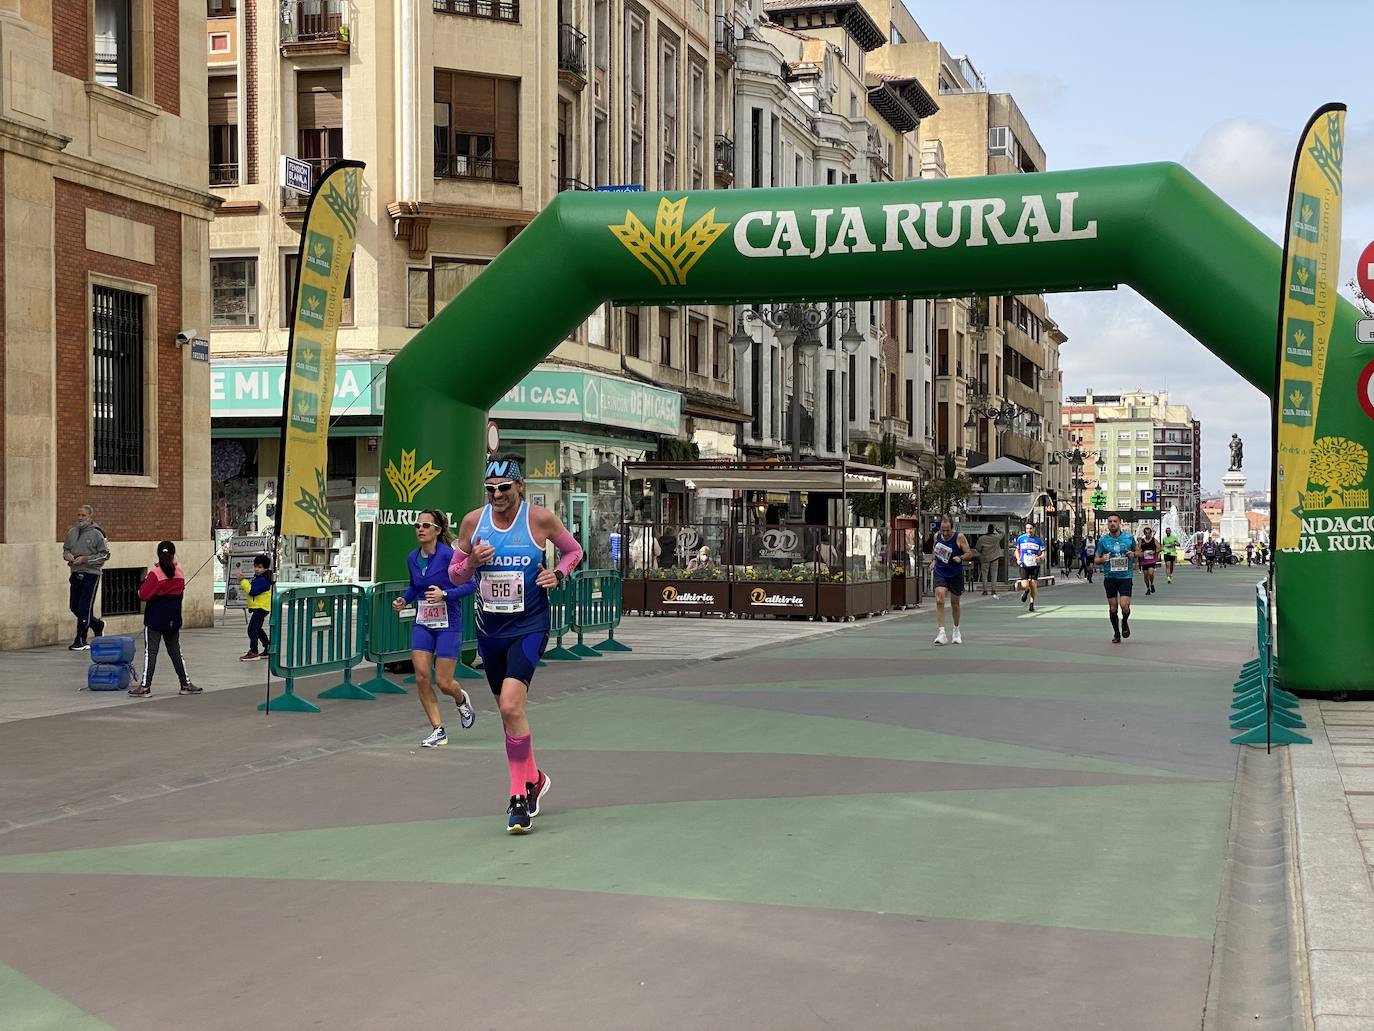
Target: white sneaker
<point x="940" y="637"/>
<point x="958" y="638"/>
<point x="467" y="715"/>
<point x="436" y="738"/>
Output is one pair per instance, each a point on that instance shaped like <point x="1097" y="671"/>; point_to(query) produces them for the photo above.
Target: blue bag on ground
<point x="110" y="678"/>
<point x="112" y="651"/>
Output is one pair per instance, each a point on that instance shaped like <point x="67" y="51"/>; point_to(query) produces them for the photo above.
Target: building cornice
<point x="49" y="148"/>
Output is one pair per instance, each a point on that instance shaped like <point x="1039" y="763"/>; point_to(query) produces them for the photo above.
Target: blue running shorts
<point x="511" y="658"/>
<point x="442" y="644"/>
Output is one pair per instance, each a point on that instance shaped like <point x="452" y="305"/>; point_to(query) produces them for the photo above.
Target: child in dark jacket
<point x="259" y="591"/>
<point x="161" y="593"/>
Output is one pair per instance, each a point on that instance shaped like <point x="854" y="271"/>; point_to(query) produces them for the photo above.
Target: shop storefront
<point x="245" y="410"/>
<point x="574" y="428"/>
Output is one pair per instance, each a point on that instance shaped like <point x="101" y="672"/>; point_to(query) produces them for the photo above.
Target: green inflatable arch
<point x="1154" y="227"/>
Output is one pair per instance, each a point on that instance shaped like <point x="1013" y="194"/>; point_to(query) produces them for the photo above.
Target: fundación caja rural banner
<point x="328" y="235"/>
<point x="1312" y="475"/>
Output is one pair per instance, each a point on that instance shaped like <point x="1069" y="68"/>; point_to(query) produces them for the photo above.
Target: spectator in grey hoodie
<point x="85" y="551"/>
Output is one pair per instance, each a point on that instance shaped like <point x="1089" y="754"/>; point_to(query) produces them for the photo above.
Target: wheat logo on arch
<point x="407" y="480"/>
<point x="669" y="252"/>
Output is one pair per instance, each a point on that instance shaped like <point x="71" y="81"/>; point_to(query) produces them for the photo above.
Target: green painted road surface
<point x="860" y="830"/>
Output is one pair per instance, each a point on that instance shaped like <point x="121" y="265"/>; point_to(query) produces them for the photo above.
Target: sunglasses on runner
<point x="492" y="488"/>
<point x="426" y="526"/>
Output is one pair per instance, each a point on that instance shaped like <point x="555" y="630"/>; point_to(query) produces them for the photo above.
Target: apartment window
<point x="1104" y="436"/>
<point x="319" y="116"/>
<point x="221" y="8"/>
<point x="1142" y="470"/>
<point x="114" y="44"/>
<point x="830" y="409"/>
<point x="830" y="177"/>
<point x="601" y="147"/>
<point x="476" y="127"/>
<point x="636" y="56"/>
<point x="694" y="346"/>
<point x="1142" y="434"/>
<point x="289" y="261"/>
<point x="756" y="147"/>
<point x="117" y="388"/>
<point x="910" y="327"/>
<point x="667" y="109"/>
<point x="233" y="292"/>
<point x="1123" y="488"/>
<point x="1142" y="452"/>
<point x="496" y="10"/>
<point x="775" y="166"/>
<point x="428" y="290"/>
<point x="872" y="389"/>
<point x="1123" y="435"/>
<point x="718" y="352"/>
<point x="665" y="337"/>
<point x="697" y="128"/>
<point x="632" y="334"/>
<point x="910" y="413"/>
<point x="756" y="399"/>
<point x="224" y="130"/>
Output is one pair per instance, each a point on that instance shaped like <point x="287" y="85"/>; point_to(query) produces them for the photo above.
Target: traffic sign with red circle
<point x="1364" y="271"/>
<point x="1365" y="390"/>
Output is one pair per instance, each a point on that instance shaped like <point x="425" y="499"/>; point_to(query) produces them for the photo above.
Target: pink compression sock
<point x="520" y="759"/>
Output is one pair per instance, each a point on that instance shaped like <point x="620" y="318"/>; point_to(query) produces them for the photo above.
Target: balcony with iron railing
<point x="725" y="40"/>
<point x="224" y="175"/>
<point x="571" y="183"/>
<point x="491" y="10"/>
<point x="572" y="56"/>
<point x="314" y="26"/>
<point x="725" y="161"/>
<point x="466" y="166"/>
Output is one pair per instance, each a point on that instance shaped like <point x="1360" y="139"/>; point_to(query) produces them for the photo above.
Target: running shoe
<point x="140" y="690"/>
<point x="940" y="637"/>
<point x="78" y="646"/>
<point x="1125" y="629"/>
<point x="958" y="637"/>
<point x="1024" y="595"/>
<point x="517" y="816"/>
<point x="534" y="793"/>
<point x="467" y="715"/>
<point x="436" y="738"/>
<point x="248" y="657"/>
<point x="190" y="688"/>
<point x="1116" y="639"/>
<point x="1032" y="608"/>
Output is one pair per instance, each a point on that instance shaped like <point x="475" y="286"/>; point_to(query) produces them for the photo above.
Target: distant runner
<point x="950" y="551"/>
<point x="1115" y="549"/>
<point x="1171" y="546"/>
<point x="1149" y="557"/>
<point x="1030" y="549"/>
<point x="1209" y="553"/>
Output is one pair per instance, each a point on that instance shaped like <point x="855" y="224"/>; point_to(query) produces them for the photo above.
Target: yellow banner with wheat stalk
<point x="328" y="235"/>
<point x="1307" y="306"/>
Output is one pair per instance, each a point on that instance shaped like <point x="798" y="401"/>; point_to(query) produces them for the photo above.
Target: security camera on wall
<point x="185" y="337"/>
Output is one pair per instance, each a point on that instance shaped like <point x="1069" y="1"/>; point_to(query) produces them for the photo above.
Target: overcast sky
<point x="1222" y="86"/>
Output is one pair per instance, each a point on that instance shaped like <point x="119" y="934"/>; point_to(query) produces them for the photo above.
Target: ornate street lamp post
<point x="797" y="326"/>
<point x="1077" y="458"/>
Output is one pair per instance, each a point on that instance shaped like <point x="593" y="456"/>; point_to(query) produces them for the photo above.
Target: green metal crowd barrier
<point x="597" y="604"/>
<point x="1266" y="713"/>
<point x="326" y="627"/>
<point x="314" y="630"/>
<point x="388" y="636"/>
<point x="561" y="601"/>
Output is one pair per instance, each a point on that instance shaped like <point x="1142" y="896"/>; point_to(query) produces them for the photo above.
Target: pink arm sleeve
<point x="460" y="570"/>
<point x="570" y="552"/>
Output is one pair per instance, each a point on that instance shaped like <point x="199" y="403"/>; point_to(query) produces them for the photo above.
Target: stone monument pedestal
<point x="1235" y="526"/>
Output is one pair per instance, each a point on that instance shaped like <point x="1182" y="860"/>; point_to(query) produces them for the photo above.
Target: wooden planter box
<point x="632" y="595"/>
<point x="841" y="601"/>
<point x="679" y="596"/>
<point x="903" y="591"/>
<point x="760" y="598"/>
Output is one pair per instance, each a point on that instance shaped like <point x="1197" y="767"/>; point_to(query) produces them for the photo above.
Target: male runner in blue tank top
<point x="949" y="554"/>
<point x="503" y="544"/>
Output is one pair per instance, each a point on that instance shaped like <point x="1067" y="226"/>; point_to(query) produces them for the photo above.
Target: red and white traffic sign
<point x="1364" y="271"/>
<point x="1364" y="389"/>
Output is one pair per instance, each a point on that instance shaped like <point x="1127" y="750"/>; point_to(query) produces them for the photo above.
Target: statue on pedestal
<point x="1237" y="451"/>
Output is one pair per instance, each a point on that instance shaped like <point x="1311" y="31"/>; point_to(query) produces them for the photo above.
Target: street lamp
<point x="797" y="326"/>
<point x="1077" y="457"/>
